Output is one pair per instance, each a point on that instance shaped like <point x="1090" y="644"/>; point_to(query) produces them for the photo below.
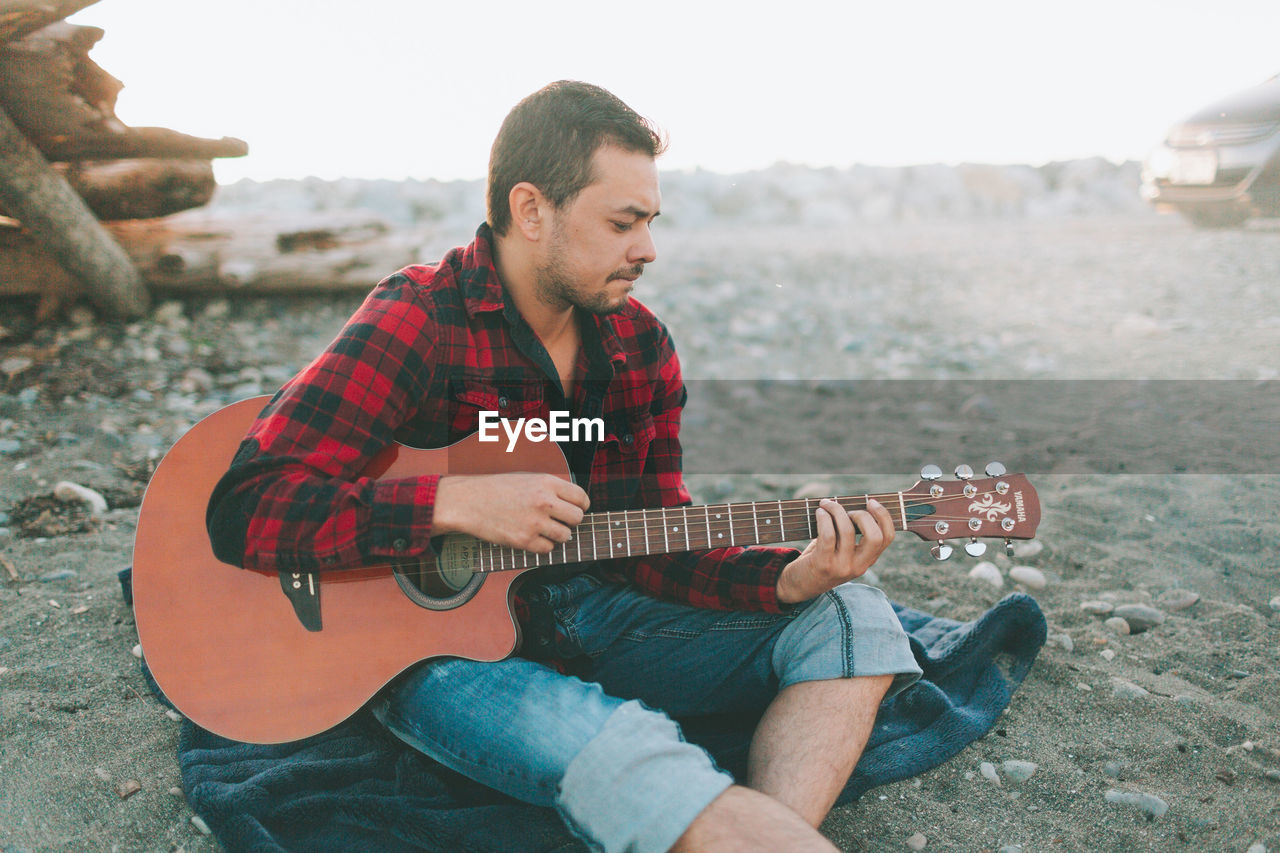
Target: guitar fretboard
<point x="635" y="533"/>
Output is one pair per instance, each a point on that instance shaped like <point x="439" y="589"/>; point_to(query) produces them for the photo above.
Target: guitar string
<point x="788" y="516"/>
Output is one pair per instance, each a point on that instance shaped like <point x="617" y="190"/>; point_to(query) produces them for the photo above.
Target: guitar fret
<point x="706" y="513"/>
<point x="685" y="511"/>
<point x="782" y="525"/>
<point x="626" y="527"/>
<point x="755" y="522"/>
<point x="666" y="538"/>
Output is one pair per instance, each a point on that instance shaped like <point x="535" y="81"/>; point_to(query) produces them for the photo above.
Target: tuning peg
<point x="942" y="551"/>
<point x="963" y="472"/>
<point x="930" y="472"/>
<point x="974" y="548"/>
<point x="1008" y="547"/>
<point x="995" y="469"/>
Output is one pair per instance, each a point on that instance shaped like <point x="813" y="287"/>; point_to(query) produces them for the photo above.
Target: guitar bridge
<point x="303" y="590"/>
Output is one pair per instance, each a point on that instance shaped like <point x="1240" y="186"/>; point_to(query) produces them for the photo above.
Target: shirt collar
<point x="482" y="290"/>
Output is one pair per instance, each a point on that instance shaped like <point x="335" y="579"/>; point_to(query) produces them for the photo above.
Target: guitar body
<point x="224" y="643"/>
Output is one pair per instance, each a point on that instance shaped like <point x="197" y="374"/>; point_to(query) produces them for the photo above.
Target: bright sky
<point x="413" y="88"/>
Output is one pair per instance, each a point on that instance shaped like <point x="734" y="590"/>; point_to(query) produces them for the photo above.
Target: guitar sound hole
<point x="443" y="579"/>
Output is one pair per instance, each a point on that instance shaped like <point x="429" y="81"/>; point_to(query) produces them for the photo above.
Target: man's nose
<point x="644" y="250"/>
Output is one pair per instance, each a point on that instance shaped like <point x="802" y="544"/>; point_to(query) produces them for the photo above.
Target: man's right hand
<point x="532" y="512"/>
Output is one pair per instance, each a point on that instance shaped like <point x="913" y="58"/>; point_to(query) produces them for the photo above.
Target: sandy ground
<point x="1186" y="711"/>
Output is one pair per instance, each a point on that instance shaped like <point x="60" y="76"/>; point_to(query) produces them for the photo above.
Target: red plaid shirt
<point x="430" y="348"/>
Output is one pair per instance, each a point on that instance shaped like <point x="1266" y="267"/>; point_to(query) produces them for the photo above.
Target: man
<point x="536" y="315"/>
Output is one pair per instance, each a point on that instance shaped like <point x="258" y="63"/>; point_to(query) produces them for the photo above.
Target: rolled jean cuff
<point x="848" y="632"/>
<point x="638" y="785"/>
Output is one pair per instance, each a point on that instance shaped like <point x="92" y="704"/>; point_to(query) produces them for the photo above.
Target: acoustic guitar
<point x="267" y="658"/>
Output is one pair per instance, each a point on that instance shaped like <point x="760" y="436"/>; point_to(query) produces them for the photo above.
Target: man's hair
<point x="549" y="138"/>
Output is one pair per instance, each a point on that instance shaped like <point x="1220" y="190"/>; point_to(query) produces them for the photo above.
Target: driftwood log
<point x="142" y="188"/>
<point x="138" y="189"/>
<point x="21" y="17"/>
<point x="56" y="104"/>
<point x="41" y="199"/>
<point x="197" y="253"/>
<point x="65" y="103"/>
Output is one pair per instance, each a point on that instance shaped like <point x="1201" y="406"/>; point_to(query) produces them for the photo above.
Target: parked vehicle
<point x="1221" y="165"/>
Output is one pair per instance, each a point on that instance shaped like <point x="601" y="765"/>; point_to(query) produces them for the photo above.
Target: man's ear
<point x="530" y="210"/>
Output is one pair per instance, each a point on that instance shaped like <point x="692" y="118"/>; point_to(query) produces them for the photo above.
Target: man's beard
<point x="555" y="284"/>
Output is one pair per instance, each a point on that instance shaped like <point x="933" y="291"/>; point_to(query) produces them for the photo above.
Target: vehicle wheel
<point x="1216" y="215"/>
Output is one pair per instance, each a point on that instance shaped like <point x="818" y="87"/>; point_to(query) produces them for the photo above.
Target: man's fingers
<point x="843" y="524"/>
<point x="567" y="514"/>
<point x="883" y="518"/>
<point x="557" y="533"/>
<point x="869" y="528"/>
<point x="824" y="520"/>
<point x="573" y="493"/>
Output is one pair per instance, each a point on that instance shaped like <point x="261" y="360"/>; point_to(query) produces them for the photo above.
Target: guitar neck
<point x="665" y="530"/>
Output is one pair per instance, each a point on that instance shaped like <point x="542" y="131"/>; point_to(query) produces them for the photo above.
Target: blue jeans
<point x="603" y="750"/>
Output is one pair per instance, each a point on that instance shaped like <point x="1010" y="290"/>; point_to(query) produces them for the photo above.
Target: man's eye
<point x="622" y="226"/>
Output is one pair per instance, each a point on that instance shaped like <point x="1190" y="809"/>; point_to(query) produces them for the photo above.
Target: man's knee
<point x="848" y="632"/>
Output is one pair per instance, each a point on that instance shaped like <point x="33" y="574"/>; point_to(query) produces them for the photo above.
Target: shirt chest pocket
<point x="629" y="435"/>
<point x="470" y="397"/>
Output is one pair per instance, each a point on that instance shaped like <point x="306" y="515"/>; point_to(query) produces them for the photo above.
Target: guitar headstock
<point x="1000" y="505"/>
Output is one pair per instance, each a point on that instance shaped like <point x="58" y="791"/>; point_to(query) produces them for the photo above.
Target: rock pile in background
<point x="781" y="194"/>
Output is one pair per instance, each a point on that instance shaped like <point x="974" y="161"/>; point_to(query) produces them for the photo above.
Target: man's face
<point x="601" y="239"/>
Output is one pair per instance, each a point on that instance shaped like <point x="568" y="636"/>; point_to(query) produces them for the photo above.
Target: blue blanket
<point x="356" y="788"/>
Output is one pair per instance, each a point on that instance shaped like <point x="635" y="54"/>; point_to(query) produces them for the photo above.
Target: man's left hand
<point x="847" y="544"/>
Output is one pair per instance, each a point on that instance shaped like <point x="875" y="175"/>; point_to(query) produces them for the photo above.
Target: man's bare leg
<point x="803" y="753"/>
<point x="809" y="739"/>
<point x="742" y="821"/>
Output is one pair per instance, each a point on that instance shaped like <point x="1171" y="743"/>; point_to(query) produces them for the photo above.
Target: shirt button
<point x="628" y="438"/>
<point x="503" y="402"/>
<point x="401" y="544"/>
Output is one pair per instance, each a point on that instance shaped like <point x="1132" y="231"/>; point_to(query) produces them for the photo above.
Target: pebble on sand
<point x="1097" y="607"/>
<point x="988" y="771"/>
<point x="1140" y="617"/>
<point x="987" y="571"/>
<point x="1174" y="600"/>
<point x="1030" y="578"/>
<point x="1019" y="771"/>
<point x="1027" y="550"/>
<point x="1118" y="625"/>
<point x="128" y="788"/>
<point x="917" y="841"/>
<point x="1149" y="803"/>
<point x="1127" y="689"/>
<point x="1063" y="641"/>
<point x="1275" y="603"/>
<point x="69" y="492"/>
<point x="198" y="823"/>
